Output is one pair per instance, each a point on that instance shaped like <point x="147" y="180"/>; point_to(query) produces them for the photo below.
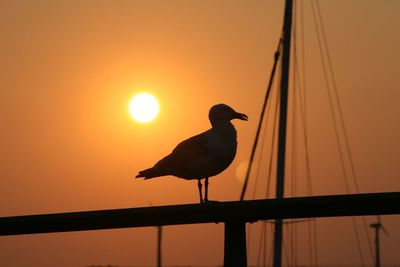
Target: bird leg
<point x="206" y="190"/>
<point x="200" y="191"/>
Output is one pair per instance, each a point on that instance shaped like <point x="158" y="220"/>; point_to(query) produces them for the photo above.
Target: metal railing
<point x="233" y="214"/>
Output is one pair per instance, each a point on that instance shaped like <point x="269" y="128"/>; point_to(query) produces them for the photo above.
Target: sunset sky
<point x="68" y="70"/>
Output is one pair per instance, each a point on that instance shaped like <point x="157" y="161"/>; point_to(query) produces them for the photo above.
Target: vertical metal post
<point x="377" y="227"/>
<point x="280" y="179"/>
<point x="378" y="253"/>
<point x="235" y="244"/>
<point x="159" y="239"/>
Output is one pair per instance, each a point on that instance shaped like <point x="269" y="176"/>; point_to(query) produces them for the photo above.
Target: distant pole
<point x="377" y="227"/>
<point x="280" y="178"/>
<point x="159" y="239"/>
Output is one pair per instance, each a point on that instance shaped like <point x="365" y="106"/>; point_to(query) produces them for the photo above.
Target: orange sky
<point x="68" y="70"/>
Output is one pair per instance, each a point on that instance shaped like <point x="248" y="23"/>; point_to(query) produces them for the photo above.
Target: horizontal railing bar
<point x="244" y="211"/>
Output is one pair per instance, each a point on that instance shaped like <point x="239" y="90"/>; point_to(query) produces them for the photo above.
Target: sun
<point x="143" y="107"/>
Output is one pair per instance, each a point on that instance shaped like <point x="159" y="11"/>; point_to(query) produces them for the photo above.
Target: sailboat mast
<point x="284" y="84"/>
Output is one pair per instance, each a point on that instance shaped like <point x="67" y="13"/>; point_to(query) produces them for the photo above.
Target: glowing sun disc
<point x="143" y="107"/>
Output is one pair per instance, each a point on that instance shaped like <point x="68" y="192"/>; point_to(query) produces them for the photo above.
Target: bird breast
<point x="222" y="145"/>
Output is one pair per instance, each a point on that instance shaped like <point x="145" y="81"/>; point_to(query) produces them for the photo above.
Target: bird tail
<point x="148" y="173"/>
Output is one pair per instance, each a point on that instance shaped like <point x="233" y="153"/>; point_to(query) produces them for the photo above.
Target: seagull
<point x="203" y="155"/>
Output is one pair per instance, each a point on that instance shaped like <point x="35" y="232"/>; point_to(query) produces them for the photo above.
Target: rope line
<point x="341" y="120"/>
<point x="328" y="65"/>
<point x="300" y="90"/>
<point x="253" y="151"/>
<point x="292" y="228"/>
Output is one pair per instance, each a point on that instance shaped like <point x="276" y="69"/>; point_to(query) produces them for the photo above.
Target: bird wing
<point x="185" y="154"/>
<point x="193" y="146"/>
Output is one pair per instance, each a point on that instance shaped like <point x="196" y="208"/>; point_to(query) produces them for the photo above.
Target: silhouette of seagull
<point x="203" y="155"/>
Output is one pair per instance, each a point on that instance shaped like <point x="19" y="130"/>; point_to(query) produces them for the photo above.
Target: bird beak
<point x="240" y="116"/>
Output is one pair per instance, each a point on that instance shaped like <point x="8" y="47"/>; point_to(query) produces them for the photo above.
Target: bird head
<point x="224" y="113"/>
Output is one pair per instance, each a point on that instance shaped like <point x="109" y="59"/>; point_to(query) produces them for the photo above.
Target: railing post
<point x="235" y="244"/>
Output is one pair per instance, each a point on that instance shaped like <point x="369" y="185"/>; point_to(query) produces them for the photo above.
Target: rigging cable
<point x="347" y="143"/>
<point x="292" y="229"/>
<point x="335" y="126"/>
<point x="326" y="76"/>
<point x="261" y="156"/>
<point x="273" y="145"/>
<point x="257" y="178"/>
<point x="276" y="57"/>
<point x="251" y="161"/>
<point x="303" y="114"/>
<point x="311" y="224"/>
<point x="272" y="150"/>
<point x="269" y="173"/>
<point x="300" y="88"/>
<point x="346" y="139"/>
<point x="328" y="87"/>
